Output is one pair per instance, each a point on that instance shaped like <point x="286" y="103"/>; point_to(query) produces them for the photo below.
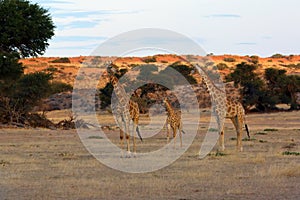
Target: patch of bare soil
<point x="53" y="164"/>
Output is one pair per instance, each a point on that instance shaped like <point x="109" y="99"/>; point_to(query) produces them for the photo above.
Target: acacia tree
<point x="25" y="28"/>
<point x="282" y="87"/>
<point x="252" y="86"/>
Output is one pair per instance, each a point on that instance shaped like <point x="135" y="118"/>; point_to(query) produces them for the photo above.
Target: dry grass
<point x="45" y="164"/>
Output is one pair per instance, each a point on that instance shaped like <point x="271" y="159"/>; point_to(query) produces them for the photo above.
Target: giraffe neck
<point x="169" y="108"/>
<point x="212" y="88"/>
<point x="119" y="91"/>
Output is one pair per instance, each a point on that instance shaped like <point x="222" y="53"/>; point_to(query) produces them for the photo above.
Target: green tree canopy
<point x="282" y="87"/>
<point x="276" y="87"/>
<point x="10" y="69"/>
<point x="31" y="88"/>
<point x="183" y="69"/>
<point x="252" y="85"/>
<point x="25" y="28"/>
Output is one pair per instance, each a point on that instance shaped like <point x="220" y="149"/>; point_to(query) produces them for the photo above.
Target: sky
<point x="241" y="27"/>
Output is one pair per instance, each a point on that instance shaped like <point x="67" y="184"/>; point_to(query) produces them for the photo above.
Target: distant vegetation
<point x="25" y="31"/>
<point x="150" y="59"/>
<point x="277" y="56"/>
<point x="229" y="59"/>
<point x="222" y="66"/>
<point x="259" y="92"/>
<point x="61" y="60"/>
<point x="150" y="74"/>
<point x="264" y="93"/>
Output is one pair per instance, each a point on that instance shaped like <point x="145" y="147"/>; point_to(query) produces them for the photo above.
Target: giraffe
<point x="225" y="108"/>
<point x="173" y="121"/>
<point x="126" y="110"/>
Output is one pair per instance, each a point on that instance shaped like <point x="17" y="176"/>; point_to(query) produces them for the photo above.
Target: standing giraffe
<point x="225" y="108"/>
<point x="173" y="120"/>
<point x="126" y="110"/>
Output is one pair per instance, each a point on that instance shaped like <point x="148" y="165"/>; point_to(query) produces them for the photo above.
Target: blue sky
<point x="243" y="27"/>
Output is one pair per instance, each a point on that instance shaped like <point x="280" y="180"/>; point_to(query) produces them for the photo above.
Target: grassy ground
<point x="47" y="164"/>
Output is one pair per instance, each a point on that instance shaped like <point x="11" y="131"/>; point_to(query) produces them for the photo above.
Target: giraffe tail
<point x="183" y="131"/>
<point x="247" y="129"/>
<point x="139" y="134"/>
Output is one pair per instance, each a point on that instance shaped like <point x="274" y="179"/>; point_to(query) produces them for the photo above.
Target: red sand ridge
<point x="67" y="71"/>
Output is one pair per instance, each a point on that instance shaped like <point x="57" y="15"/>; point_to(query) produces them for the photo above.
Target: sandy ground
<point x="47" y="164"/>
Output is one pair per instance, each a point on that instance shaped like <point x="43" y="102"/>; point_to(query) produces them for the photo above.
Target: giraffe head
<point x="167" y="103"/>
<point x="165" y="100"/>
<point x="109" y="67"/>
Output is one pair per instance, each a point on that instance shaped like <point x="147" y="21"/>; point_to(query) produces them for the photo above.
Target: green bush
<point x="277" y="55"/>
<point x="183" y="69"/>
<point x="31" y="88"/>
<point x="151" y="59"/>
<point x="229" y="59"/>
<point x="271" y="129"/>
<point x="251" y="84"/>
<point x="10" y="68"/>
<point x="25" y="30"/>
<point x="52" y="69"/>
<point x="289" y="153"/>
<point x="58" y="87"/>
<point x="254" y="59"/>
<point x="295" y="66"/>
<point x="61" y="60"/>
<point x="282" y="87"/>
<point x="222" y="66"/>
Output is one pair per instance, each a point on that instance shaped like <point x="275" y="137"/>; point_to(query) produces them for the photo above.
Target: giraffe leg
<point x="127" y="137"/>
<point x="180" y="134"/>
<point x="120" y="122"/>
<point x="134" y="137"/>
<point x="122" y="140"/>
<point x="168" y="132"/>
<point x="236" y="123"/>
<point x="174" y="135"/>
<point x="221" y="139"/>
<point x="221" y="134"/>
<point x="240" y="133"/>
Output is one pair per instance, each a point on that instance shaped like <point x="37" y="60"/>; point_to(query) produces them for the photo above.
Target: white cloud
<point x="220" y="24"/>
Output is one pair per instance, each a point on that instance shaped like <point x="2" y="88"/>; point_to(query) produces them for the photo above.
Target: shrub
<point x="252" y="85"/>
<point x="183" y="69"/>
<point x="149" y="59"/>
<point x="271" y="129"/>
<point x="277" y="55"/>
<point x="31" y="88"/>
<point x="295" y="66"/>
<point x="260" y="133"/>
<point x="10" y="68"/>
<point x="222" y="66"/>
<point x="229" y="59"/>
<point x="58" y="87"/>
<point x="61" y="60"/>
<point x="52" y="69"/>
<point x="289" y="153"/>
<point x="254" y="59"/>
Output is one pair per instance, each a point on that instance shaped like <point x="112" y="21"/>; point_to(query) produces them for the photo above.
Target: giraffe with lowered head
<point x="126" y="111"/>
<point x="225" y="108"/>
